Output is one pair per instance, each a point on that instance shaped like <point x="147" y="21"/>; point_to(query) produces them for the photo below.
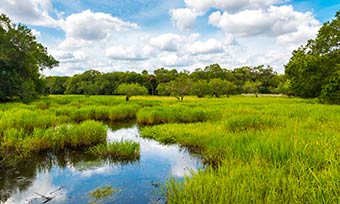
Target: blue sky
<point x="136" y="35"/>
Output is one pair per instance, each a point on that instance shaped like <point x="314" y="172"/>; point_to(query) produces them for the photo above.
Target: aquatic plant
<point x="103" y="192"/>
<point x="175" y="114"/>
<point x="118" y="150"/>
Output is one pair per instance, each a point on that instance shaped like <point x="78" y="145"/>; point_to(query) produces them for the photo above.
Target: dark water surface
<point x="69" y="177"/>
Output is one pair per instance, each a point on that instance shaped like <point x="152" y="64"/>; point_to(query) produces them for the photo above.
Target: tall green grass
<point x="123" y="150"/>
<point x="262" y="150"/>
<point x="85" y="134"/>
<point x="257" y="150"/>
<point x="175" y="114"/>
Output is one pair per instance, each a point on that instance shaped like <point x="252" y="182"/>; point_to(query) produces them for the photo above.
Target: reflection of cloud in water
<point x="88" y="171"/>
<point x="180" y="160"/>
<point x="42" y="185"/>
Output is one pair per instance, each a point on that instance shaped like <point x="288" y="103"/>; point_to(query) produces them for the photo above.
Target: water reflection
<point x="71" y="175"/>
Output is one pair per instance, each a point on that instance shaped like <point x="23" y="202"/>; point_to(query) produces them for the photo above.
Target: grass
<point x="257" y="150"/>
<point x="265" y="150"/>
<point x="74" y="136"/>
<point x="175" y="114"/>
<point x="58" y="122"/>
<point x="123" y="150"/>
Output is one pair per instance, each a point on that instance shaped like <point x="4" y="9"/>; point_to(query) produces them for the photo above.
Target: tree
<point x="252" y="87"/>
<point x="222" y="87"/>
<point x="313" y="68"/>
<point x="285" y="88"/>
<point x="331" y="91"/>
<point x="131" y="90"/>
<point x="83" y="83"/>
<point x="163" y="89"/>
<point x="56" y="84"/>
<point x="21" y="59"/>
<point x="201" y="88"/>
<point x="180" y="87"/>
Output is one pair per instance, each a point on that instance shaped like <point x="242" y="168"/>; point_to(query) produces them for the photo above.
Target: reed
<point x="120" y="150"/>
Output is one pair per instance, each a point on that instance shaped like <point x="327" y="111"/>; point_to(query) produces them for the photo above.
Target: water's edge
<point x="69" y="177"/>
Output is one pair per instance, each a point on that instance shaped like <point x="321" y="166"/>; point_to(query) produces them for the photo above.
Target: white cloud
<point x="272" y="21"/>
<point x="33" y="12"/>
<point x="299" y="37"/>
<point x="90" y="26"/>
<point x="209" y="46"/>
<point x="71" y="43"/>
<point x="172" y="42"/>
<point x="183" y="18"/>
<point x="36" y="33"/>
<point x="229" y="5"/>
<point x="132" y="53"/>
<point x="250" y="32"/>
<point x="173" y="60"/>
<point x="167" y="42"/>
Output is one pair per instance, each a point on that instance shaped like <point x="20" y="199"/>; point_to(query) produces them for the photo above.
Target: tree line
<point x="210" y="81"/>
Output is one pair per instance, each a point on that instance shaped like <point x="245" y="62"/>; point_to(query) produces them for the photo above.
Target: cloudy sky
<point x="136" y="35"/>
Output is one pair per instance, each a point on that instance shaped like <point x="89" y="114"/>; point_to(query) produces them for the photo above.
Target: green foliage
<point x="269" y="150"/>
<point x="22" y="144"/>
<point x="21" y="59"/>
<point x="312" y="66"/>
<point x="201" y="88"/>
<point x="180" y="87"/>
<point x="331" y="90"/>
<point x="131" y="90"/>
<point x="58" y="122"/>
<point x="102" y="194"/>
<point x="174" y="114"/>
<point x="56" y="85"/>
<point x="252" y="87"/>
<point x="123" y="150"/>
<point x="222" y="87"/>
<point x="285" y="88"/>
<point x="163" y="89"/>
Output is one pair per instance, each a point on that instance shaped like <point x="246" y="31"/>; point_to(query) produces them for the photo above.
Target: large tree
<point x="313" y="69"/>
<point x="131" y="90"/>
<point x="21" y="60"/>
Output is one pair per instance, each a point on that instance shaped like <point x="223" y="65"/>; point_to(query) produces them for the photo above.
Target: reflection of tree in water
<point x="17" y="175"/>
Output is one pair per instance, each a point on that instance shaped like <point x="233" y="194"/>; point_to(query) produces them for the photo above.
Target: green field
<point x="256" y="150"/>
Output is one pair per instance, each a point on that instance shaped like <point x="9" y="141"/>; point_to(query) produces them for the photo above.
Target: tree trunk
<point x="127" y="98"/>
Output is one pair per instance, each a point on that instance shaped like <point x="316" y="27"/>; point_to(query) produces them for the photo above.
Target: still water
<point x="69" y="177"/>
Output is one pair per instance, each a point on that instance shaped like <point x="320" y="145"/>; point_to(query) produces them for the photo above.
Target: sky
<point x="137" y="35"/>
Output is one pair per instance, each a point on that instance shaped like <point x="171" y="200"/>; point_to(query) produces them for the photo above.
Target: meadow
<point x="256" y="150"/>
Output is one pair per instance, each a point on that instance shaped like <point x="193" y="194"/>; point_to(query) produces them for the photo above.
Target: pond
<point x="71" y="176"/>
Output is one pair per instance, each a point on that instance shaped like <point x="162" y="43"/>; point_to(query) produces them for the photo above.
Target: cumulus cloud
<point x="272" y="21"/>
<point x="71" y="43"/>
<point x="229" y="5"/>
<point x="33" y="12"/>
<point x="209" y="46"/>
<point x="174" y="60"/>
<point x="183" y="18"/>
<point x="172" y="42"/>
<point x="132" y="53"/>
<point x="90" y="26"/>
<point x="168" y="42"/>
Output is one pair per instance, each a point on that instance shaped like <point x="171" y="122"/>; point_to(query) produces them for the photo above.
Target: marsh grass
<point x="73" y="136"/>
<point x="175" y="114"/>
<point x="118" y="150"/>
<point x="261" y="151"/>
<point x="257" y="150"/>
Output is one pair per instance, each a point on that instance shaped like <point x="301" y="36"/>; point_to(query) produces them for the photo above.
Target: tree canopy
<point x="21" y="59"/>
<point x="314" y="69"/>
<point x="131" y="90"/>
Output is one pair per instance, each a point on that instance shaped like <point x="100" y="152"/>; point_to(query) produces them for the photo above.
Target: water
<point x="69" y="177"/>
